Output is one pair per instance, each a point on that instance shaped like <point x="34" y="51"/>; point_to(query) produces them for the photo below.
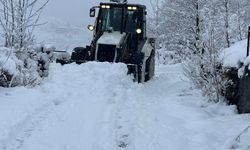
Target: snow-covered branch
<point x="18" y="18"/>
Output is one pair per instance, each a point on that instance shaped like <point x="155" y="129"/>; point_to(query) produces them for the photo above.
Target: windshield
<point x="131" y="21"/>
<point x="111" y="19"/>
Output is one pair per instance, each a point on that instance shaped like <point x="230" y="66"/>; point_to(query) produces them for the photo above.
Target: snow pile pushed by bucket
<point x="92" y="77"/>
<point x="69" y="76"/>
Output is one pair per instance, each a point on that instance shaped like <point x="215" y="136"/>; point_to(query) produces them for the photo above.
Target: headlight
<point x="139" y="31"/>
<point x="91" y="27"/>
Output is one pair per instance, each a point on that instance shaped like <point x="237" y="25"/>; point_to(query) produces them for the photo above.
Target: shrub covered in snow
<point x="8" y="66"/>
<point x="44" y="56"/>
<point x="206" y="73"/>
<point x="19" y="67"/>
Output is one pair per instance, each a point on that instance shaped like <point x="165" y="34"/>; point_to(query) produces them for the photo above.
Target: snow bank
<point x="235" y="54"/>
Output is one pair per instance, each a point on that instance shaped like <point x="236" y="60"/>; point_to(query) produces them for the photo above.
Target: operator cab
<point x="121" y="17"/>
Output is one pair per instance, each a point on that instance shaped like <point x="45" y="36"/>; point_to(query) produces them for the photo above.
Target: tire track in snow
<point x="124" y="122"/>
<point x="117" y="124"/>
<point x="24" y="130"/>
<point x="106" y="134"/>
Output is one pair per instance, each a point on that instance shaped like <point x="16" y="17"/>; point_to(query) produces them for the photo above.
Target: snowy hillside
<point x="62" y="34"/>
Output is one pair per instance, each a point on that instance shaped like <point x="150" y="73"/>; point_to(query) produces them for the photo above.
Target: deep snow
<point x="96" y="106"/>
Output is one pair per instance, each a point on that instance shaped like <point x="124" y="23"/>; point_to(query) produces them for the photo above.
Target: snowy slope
<point x="96" y="106"/>
<point x="65" y="36"/>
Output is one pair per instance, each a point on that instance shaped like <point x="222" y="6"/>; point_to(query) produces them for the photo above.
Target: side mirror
<point x="91" y="27"/>
<point x="92" y="12"/>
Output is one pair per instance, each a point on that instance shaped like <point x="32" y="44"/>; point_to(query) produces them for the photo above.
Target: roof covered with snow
<point x="235" y="54"/>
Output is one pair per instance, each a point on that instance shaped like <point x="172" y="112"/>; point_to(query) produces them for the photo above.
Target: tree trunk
<point x="227" y="36"/>
<point x="12" y="23"/>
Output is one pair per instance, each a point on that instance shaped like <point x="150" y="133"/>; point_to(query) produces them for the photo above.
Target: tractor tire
<point x="80" y="55"/>
<point x="137" y="60"/>
<point x="150" y="66"/>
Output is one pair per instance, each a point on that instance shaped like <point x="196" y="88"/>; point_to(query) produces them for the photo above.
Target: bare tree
<point x="239" y="21"/>
<point x="18" y="18"/>
<point x="226" y="20"/>
<point x="155" y="15"/>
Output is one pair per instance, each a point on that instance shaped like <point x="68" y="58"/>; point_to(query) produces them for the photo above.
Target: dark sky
<point x="76" y="11"/>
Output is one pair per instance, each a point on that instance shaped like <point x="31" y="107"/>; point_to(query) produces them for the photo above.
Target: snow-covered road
<point x="96" y="106"/>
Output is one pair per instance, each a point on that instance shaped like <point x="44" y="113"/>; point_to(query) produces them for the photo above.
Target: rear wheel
<point x="150" y="66"/>
<point x="80" y="55"/>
